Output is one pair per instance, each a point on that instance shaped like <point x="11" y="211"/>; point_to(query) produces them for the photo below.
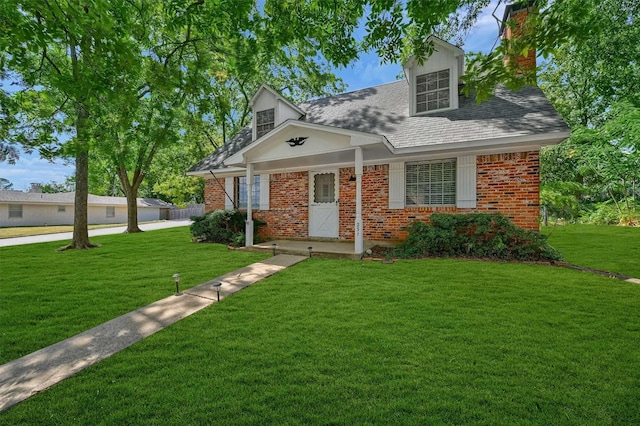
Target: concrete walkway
<point x="34" y="373"/>
<point x="61" y="236"/>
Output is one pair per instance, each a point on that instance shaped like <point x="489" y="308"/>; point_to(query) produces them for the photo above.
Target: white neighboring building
<point x="37" y="209"/>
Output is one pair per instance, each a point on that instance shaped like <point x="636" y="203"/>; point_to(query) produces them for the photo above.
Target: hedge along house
<point x="365" y="164"/>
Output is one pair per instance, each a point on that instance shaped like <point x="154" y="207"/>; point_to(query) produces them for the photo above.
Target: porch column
<point x="359" y="237"/>
<point x="248" y="232"/>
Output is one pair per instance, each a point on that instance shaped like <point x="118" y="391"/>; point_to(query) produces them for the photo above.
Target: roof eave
<point x="536" y="141"/>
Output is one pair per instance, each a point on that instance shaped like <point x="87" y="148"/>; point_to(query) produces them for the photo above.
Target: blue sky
<point x="365" y="72"/>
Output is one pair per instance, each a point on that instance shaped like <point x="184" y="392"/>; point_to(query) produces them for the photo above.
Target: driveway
<point x="6" y="242"/>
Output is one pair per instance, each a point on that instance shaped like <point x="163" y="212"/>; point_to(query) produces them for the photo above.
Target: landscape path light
<point x="176" y="278"/>
<point x="217" y="286"/>
<point x="274" y="248"/>
<point x="310" y="248"/>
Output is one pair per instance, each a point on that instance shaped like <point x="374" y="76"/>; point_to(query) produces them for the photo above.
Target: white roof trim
<point x="357" y="138"/>
<point x="278" y="96"/>
<point x="538" y="140"/>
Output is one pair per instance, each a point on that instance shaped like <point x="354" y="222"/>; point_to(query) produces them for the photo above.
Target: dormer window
<point x="265" y="121"/>
<point x="432" y="91"/>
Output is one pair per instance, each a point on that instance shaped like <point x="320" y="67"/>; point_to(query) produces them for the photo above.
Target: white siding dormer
<point x="433" y="86"/>
<point x="266" y="100"/>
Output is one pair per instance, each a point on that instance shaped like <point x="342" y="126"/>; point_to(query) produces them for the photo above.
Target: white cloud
<point x="30" y="168"/>
<point x="485" y="33"/>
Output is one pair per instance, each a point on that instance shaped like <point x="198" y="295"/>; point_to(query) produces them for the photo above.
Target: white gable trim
<point x="357" y="138"/>
<point x="278" y="96"/>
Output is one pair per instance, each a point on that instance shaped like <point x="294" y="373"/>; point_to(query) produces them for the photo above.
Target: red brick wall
<point x="288" y="212"/>
<point x="506" y="183"/>
<point x="213" y="195"/>
<point x="510" y="184"/>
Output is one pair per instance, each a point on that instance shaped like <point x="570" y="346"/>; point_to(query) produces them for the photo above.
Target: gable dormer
<point x="270" y="109"/>
<point x="433" y="86"/>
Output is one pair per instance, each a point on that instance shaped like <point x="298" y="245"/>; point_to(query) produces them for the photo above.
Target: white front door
<point x="323" y="204"/>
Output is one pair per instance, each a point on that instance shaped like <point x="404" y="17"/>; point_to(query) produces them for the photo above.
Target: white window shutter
<point x="228" y="187"/>
<point x="396" y="186"/>
<point x="466" y="182"/>
<point x="264" y="192"/>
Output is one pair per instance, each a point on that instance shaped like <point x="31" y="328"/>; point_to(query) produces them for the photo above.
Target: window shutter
<point x="466" y="182"/>
<point x="396" y="186"/>
<point x="228" y="187"/>
<point x="264" y="192"/>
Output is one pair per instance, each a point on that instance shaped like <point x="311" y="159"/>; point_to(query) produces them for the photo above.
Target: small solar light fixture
<point x="217" y="285"/>
<point x="273" y="246"/>
<point x="309" y="248"/>
<point x="176" y="278"/>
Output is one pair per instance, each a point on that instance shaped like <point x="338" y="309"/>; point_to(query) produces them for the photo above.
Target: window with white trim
<point x="265" y="121"/>
<point x="111" y="211"/>
<point x="15" y="211"/>
<point x="432" y="91"/>
<point x="241" y="192"/>
<point x="431" y="183"/>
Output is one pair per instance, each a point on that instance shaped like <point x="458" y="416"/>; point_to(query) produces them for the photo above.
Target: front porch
<point x="320" y="248"/>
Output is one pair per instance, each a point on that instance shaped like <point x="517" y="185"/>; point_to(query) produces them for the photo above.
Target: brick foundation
<point x="506" y="184"/>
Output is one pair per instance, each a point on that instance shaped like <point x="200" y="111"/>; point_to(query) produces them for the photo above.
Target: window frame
<point x="111" y="209"/>
<point x="444" y="188"/>
<point x="241" y="195"/>
<point x="263" y="126"/>
<point x="440" y="92"/>
<point x="62" y="209"/>
<point x="16" y="211"/>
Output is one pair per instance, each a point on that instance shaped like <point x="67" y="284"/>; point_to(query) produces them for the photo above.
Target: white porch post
<point x="359" y="237"/>
<point x="248" y="232"/>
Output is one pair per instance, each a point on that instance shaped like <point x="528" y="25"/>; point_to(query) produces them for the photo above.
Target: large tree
<point x="65" y="58"/>
<point x="594" y="83"/>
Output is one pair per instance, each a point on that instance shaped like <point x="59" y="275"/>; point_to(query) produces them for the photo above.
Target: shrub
<point x="222" y="226"/>
<point x="474" y="235"/>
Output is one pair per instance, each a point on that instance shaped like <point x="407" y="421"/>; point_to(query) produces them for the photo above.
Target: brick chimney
<point x="518" y="13"/>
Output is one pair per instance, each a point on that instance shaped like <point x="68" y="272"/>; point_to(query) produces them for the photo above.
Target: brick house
<point x="363" y="165"/>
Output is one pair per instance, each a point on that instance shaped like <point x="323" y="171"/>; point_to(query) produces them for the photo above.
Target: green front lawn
<point x="47" y="296"/>
<point x="609" y="248"/>
<point x="347" y="342"/>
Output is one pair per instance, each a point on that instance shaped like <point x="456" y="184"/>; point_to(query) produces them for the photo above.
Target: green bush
<point x="474" y="235"/>
<point x="607" y="213"/>
<point x="222" y="226"/>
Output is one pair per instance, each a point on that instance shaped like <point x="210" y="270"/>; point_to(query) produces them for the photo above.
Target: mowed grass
<point x="609" y="248"/>
<point x="48" y="296"/>
<point x="347" y="342"/>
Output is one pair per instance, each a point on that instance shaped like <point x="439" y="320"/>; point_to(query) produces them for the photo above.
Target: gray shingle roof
<point x="384" y="110"/>
<point x="69" y="198"/>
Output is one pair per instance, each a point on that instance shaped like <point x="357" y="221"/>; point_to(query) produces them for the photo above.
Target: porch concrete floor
<point x="333" y="248"/>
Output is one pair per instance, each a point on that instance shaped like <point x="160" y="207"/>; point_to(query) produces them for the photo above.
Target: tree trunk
<point x="132" y="212"/>
<point x="131" y="192"/>
<point x="81" y="148"/>
<point x="80" y="210"/>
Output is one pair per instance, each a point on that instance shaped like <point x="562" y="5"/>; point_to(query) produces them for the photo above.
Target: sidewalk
<point x="6" y="242"/>
<point x="34" y="373"/>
